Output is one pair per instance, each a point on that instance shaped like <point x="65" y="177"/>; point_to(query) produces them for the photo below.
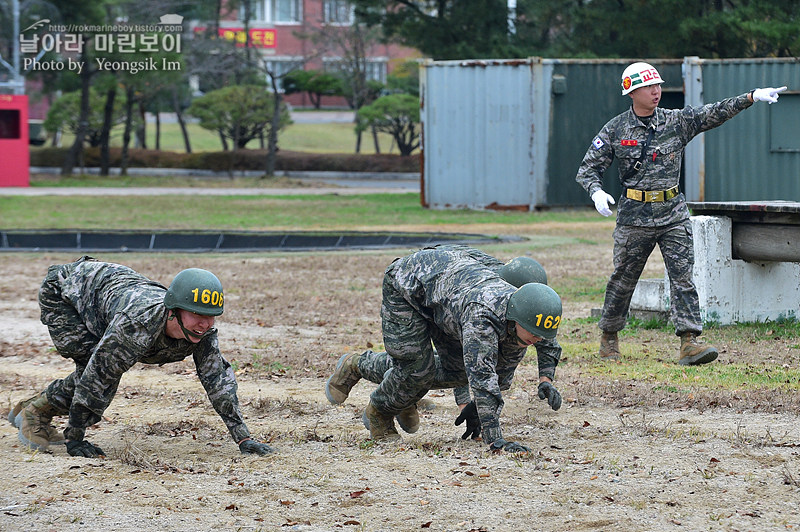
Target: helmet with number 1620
<point x="537" y="308"/>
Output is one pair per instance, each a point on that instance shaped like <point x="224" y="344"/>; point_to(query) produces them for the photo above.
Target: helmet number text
<point x="548" y="322"/>
<point x="208" y="297"/>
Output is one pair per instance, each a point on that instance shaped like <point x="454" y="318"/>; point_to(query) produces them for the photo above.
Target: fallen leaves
<point x="359" y="493"/>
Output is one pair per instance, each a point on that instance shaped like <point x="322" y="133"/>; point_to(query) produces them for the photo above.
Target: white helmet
<point x="639" y="75"/>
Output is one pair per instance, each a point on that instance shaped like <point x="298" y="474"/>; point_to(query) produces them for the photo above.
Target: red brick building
<point x="274" y="27"/>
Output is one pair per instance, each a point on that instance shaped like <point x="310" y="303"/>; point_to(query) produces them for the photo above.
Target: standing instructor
<point x="649" y="143"/>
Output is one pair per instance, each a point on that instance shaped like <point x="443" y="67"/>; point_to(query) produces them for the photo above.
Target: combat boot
<point x="693" y="353"/>
<point x="381" y="426"/>
<point x="408" y="419"/>
<point x="34" y="422"/>
<point x="344" y="377"/>
<point x="14" y="412"/>
<point x="609" y="346"/>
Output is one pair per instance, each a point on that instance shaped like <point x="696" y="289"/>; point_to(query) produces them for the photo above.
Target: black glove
<point x="470" y="414"/>
<point x="255" y="447"/>
<point x="508" y="446"/>
<point x="549" y="392"/>
<point x="84" y="448"/>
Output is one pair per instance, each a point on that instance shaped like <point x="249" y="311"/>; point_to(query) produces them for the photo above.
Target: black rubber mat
<point x="203" y="241"/>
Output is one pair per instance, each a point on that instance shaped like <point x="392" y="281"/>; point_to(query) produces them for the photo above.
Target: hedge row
<point x="222" y="161"/>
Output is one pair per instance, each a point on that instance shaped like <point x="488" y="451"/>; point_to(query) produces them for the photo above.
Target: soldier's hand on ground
<point x="601" y="200"/>
<point x="508" y="446"/>
<point x="84" y="448"/>
<point x="549" y="392"/>
<point x="255" y="447"/>
<point x="470" y="414"/>
<point x="769" y="94"/>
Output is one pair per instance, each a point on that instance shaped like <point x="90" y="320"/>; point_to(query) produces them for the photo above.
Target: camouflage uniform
<point x="106" y="318"/>
<point x="640" y="225"/>
<point x="447" y="298"/>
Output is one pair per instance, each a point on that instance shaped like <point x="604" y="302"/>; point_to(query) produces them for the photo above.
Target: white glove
<point x="767" y="95"/>
<point x="601" y="201"/>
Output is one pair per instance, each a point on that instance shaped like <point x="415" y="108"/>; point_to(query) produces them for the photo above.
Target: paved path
<point x="201" y="191"/>
<point x="343" y="183"/>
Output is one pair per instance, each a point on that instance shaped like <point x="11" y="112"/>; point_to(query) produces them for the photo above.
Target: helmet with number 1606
<point x="537" y="308"/>
<point x="195" y="290"/>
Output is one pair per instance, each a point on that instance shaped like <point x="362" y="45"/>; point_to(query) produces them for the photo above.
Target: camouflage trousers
<point x="374" y="366"/>
<point x="70" y="336"/>
<point x="408" y="337"/>
<point x="632" y="247"/>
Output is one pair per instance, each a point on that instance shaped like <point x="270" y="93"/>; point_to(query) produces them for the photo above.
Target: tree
<point x="239" y="113"/>
<point x="674" y="28"/>
<point x="481" y="29"/>
<point x="315" y="82"/>
<point x="65" y="114"/>
<point x="351" y="44"/>
<point x="397" y="115"/>
<point x="444" y="29"/>
<point x="81" y="14"/>
<point x="404" y="79"/>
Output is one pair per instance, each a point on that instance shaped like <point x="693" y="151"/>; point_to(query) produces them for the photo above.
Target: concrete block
<point x="730" y="290"/>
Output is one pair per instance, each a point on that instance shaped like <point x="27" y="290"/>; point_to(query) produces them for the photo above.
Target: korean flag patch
<point x="597" y="143"/>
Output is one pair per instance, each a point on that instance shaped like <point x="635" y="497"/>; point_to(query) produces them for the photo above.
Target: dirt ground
<point x="617" y="456"/>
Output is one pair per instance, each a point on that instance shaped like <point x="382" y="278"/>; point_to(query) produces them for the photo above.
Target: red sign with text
<point x="259" y="37"/>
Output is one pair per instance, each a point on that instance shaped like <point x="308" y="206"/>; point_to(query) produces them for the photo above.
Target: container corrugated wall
<point x="755" y="155"/>
<point x="477" y="135"/>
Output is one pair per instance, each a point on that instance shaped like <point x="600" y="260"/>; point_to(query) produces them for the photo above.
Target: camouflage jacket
<point x="467" y="302"/>
<point x="125" y="310"/>
<point x="548" y="351"/>
<point x="623" y="137"/>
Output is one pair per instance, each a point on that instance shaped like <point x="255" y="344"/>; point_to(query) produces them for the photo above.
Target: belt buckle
<point x="655" y="195"/>
<point x="634" y="194"/>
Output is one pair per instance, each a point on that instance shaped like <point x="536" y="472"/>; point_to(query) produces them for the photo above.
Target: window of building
<point x="285" y="11"/>
<point x="338" y="12"/>
<point x="281" y="67"/>
<point x="374" y="68"/>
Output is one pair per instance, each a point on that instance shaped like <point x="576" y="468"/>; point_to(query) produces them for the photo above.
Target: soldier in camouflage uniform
<point x="649" y="143"/>
<point x="481" y="327"/>
<point x="372" y="365"/>
<point x="106" y="318"/>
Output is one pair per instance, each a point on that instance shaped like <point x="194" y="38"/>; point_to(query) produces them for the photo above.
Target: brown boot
<point x="609" y="346"/>
<point x="14" y="412"/>
<point x="34" y="422"/>
<point x="381" y="426"/>
<point x="693" y="353"/>
<point x="344" y="377"/>
<point x="408" y="419"/>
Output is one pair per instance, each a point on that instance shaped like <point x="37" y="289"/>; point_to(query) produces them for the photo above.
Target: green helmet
<point x="537" y="308"/>
<point x="523" y="270"/>
<point x="197" y="291"/>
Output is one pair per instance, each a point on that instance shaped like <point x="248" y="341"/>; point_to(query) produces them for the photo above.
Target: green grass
<point x="251" y="212"/>
<point x="331" y="137"/>
<point x="581" y="337"/>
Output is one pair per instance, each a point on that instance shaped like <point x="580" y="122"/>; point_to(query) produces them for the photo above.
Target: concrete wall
<point x="730" y="290"/>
